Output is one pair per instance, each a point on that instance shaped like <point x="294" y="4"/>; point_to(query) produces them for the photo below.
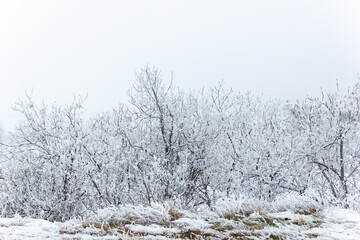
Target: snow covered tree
<point x="329" y="127"/>
<point x="174" y="138"/>
<point x="44" y="157"/>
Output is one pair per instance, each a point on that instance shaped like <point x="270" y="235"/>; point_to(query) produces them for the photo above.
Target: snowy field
<point x="167" y="222"/>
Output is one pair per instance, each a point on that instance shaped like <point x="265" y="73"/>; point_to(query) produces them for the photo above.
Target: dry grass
<point x="239" y="223"/>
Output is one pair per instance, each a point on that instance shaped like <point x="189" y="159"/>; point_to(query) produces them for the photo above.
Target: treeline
<point x="190" y="148"/>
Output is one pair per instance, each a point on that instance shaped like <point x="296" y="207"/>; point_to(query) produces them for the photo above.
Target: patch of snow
<point x="339" y="224"/>
<point x="193" y="223"/>
<point x="16" y="228"/>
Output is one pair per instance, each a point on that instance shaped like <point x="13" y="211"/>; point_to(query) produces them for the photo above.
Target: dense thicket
<point x="191" y="148"/>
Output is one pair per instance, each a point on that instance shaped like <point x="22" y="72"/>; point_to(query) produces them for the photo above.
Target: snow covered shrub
<point x="232" y="207"/>
<point x="296" y="203"/>
<point x="160" y="214"/>
<point x="195" y="149"/>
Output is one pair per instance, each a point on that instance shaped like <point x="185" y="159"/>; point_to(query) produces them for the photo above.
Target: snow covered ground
<point x="164" y="222"/>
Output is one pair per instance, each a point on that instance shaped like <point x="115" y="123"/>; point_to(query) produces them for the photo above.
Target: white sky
<point x="283" y="49"/>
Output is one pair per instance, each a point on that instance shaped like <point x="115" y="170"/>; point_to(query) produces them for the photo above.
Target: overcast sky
<point x="283" y="49"/>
